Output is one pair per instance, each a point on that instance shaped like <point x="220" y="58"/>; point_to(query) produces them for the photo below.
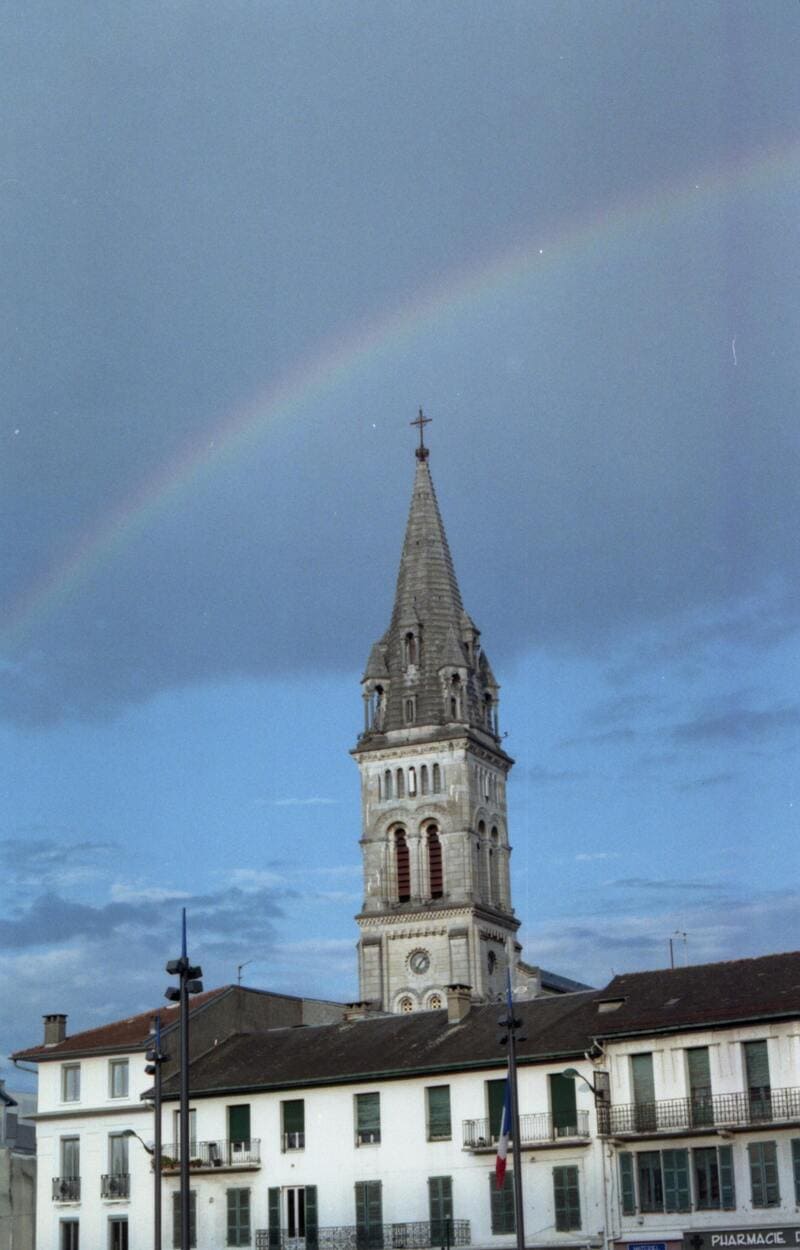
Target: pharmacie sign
<point x="734" y="1238"/>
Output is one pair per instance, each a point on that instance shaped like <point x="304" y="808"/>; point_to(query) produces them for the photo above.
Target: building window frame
<point x="238" y="1217"/>
<point x="118" y="1078"/>
<point x="118" y="1232"/>
<point x="764" y="1180"/>
<point x="69" y="1234"/>
<point x="438" y="1113"/>
<point x="566" y="1198"/>
<point x="70" y="1082"/>
<point x="367" y="1108"/>
<point x="293" y="1123"/>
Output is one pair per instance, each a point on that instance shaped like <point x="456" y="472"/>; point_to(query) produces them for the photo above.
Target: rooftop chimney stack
<point x="458" y="1003"/>
<point x="55" y="1029"/>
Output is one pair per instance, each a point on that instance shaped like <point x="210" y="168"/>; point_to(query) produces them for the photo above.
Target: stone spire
<point x="428" y="669"/>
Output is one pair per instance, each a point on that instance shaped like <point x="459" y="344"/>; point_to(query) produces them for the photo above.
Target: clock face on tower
<point x="419" y="961"/>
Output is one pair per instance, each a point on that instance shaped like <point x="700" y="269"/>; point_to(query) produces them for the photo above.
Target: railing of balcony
<point x="66" y="1189"/>
<point x="413" y="1235"/>
<point x="213" y="1154"/>
<point x="535" y="1129"/>
<point x="294" y="1141"/>
<point x="115" y="1185"/>
<point x="743" y="1109"/>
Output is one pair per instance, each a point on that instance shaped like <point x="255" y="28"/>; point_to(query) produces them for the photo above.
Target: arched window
<point x="410" y="643"/>
<point x="409" y="710"/>
<point x="412" y="780"/>
<point x="494" y="867"/>
<point x="455" y="697"/>
<point x="435" y="1002"/>
<point x="423" y="779"/>
<point x="406" y="1004"/>
<point x="435" y="862"/>
<point x="401" y="784"/>
<point x="436" y="784"/>
<point x="387" y="784"/>
<point x="403" y="866"/>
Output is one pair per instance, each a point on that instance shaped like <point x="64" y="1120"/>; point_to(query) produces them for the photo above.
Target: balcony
<point x="414" y="1235"/>
<point x="742" y="1110"/>
<point x="209" y="1156"/>
<point x="115" y="1185"/>
<point x="535" y="1130"/>
<point x="66" y="1189"/>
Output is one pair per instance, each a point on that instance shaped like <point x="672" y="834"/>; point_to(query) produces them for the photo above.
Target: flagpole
<point x="513" y="1025"/>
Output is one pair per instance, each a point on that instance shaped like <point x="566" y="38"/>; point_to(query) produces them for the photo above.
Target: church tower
<point x="437" y="901"/>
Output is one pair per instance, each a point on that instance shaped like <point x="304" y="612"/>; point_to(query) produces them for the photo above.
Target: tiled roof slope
<point x="702" y="994"/>
<point x="428" y="603"/>
<point x="130" y="1034"/>
<point x="397" y="1045"/>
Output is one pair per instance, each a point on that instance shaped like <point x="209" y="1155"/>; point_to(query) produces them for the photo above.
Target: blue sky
<point x="245" y="242"/>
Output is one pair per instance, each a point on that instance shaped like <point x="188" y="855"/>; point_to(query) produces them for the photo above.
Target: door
<point x="369" y="1215"/>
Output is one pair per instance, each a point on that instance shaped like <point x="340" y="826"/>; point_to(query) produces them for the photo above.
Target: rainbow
<point x="344" y="354"/>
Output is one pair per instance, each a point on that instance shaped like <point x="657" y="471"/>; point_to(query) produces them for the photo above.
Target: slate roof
<point x="382" y="1047"/>
<point x="130" y="1034"/>
<point x="702" y="995"/>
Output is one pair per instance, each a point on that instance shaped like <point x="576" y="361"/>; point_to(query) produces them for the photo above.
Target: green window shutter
<point x="440" y="1206"/>
<point x="495" y="1097"/>
<point x="626" y="1183"/>
<point x="675" y="1164"/>
<point x="239" y="1123"/>
<point x="369" y="1215"/>
<point x="764" y="1174"/>
<point x="644" y="1090"/>
<point x="312" y="1219"/>
<point x="563" y="1105"/>
<point x="274" y="1218"/>
<point x="176" y="1219"/>
<point x="439" y="1126"/>
<point x="699" y="1069"/>
<point x="796" y="1167"/>
<point x="294" y="1116"/>
<point x="566" y="1197"/>
<point x="238" y="1201"/>
<point x="756" y="1062"/>
<point x="502" y="1204"/>
<point x="368" y="1117"/>
<point x="726" y="1183"/>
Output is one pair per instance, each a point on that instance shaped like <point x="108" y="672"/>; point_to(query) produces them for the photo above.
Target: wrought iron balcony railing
<point x="66" y="1189"/>
<point x="115" y="1185"/>
<point x="412" y="1235"/>
<point x="214" y="1154"/>
<point x="536" y="1129"/>
<point x="744" y="1109"/>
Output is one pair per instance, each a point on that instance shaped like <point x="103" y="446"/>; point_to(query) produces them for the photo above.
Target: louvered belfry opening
<point x="435" y="862"/>
<point x="403" y="866"/>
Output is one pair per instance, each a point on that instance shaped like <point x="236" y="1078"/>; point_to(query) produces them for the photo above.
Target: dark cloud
<point x="738" y="725"/>
<point x="706" y="783"/>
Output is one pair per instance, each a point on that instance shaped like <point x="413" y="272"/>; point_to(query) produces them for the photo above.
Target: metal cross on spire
<point x="421" y="421"/>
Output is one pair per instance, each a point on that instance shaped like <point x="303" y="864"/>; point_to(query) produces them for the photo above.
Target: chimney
<point x="357" y="1011"/>
<point x="55" y="1029"/>
<point x="458" y="1003"/>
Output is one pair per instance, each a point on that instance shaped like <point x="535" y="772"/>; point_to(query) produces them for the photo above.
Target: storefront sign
<point x="734" y="1238"/>
<point x="646" y="1245"/>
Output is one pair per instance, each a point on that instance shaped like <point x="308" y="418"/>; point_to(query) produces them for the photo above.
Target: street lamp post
<point x="188" y="983"/>
<point x="156" y="1058"/>
<point x="511" y="1024"/>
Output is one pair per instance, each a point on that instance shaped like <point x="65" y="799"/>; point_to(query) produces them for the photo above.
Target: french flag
<point x="505" y="1133"/>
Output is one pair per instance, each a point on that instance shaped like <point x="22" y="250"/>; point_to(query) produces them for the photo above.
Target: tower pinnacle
<point x="422" y="451"/>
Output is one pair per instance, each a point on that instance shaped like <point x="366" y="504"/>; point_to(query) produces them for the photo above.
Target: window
<point x="494" y="867"/>
<point x="406" y="1004"/>
<point x="409" y="711"/>
<point x="118" y="1233"/>
<point x="238" y="1203"/>
<point x="67" y="1187"/>
<point x="796" y="1168"/>
<point x="764" y="1173"/>
<point x="403" y="864"/>
<point x="412" y="781"/>
<point x="176" y="1129"/>
<point x="239" y="1127"/>
<point x="176" y="1219"/>
<point x="436" y="784"/>
<point x="293" y="1210"/>
<point x="651" y="1186"/>
<point x="502" y="1204"/>
<point x="562" y="1103"/>
<point x="369" y="1215"/>
<point x="68" y="1235"/>
<point x="756" y="1062"/>
<point x="440" y="1209"/>
<point x="699" y="1077"/>
<point x="423" y="779"/>
<point x="566" y="1198"/>
<point x="387" y="784"/>
<point x="118" y="1078"/>
<point x="713" y="1178"/>
<point x="644" y="1096"/>
<point x="117" y="1183"/>
<point x="70" y="1082"/>
<point x="368" y="1119"/>
<point x="401" y="787"/>
<point x="627" y="1186"/>
<point x="410" y="649"/>
<point x="293" y="1115"/>
<point x="435" y="1002"/>
<point x="437" y="1099"/>
<point x="435" y="862"/>
<point x="495" y="1098"/>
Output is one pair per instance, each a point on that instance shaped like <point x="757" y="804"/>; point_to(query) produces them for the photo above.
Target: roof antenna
<point x="421" y="421"/>
<point x="239" y="970"/>
<point x="680" y="934"/>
